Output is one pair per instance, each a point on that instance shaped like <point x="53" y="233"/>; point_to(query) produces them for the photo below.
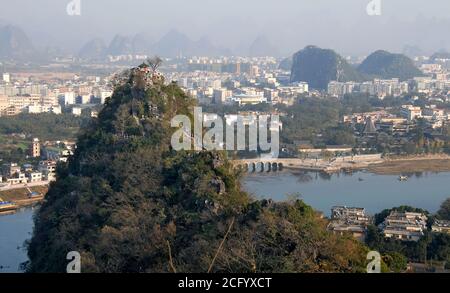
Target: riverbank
<point x="21" y="197"/>
<point x="402" y="165"/>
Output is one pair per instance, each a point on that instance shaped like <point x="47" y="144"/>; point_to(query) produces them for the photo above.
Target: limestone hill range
<point x="318" y="67"/>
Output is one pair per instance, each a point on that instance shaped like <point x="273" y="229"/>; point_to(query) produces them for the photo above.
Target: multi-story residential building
<point x="48" y="169"/>
<point x="37" y="109"/>
<point x="351" y="220"/>
<point x="405" y="226"/>
<point x="431" y="112"/>
<point x="83" y="98"/>
<point x="441" y="226"/>
<point x="10" y="169"/>
<point x="69" y="98"/>
<point x="339" y="89"/>
<point x="221" y="95"/>
<point x="34" y="176"/>
<point x="411" y="112"/>
<point x="35" y="148"/>
<point x="21" y="102"/>
<point x="4" y="104"/>
<point x="50" y="99"/>
<point x="378" y="87"/>
<point x="6" y="77"/>
<point x="104" y="94"/>
<point x="18" y="178"/>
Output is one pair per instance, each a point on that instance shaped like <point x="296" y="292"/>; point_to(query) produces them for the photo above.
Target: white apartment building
<point x="21" y="102"/>
<point x="378" y="87"/>
<point x="405" y="226"/>
<point x="18" y="178"/>
<point x="48" y="169"/>
<point x="37" y="109"/>
<point x="6" y="77"/>
<point x="34" y="176"/>
<point x="69" y="98"/>
<point x="411" y="112"/>
<point x="104" y="94"/>
<point x="84" y="98"/>
<point x="221" y="95"/>
<point x="76" y="111"/>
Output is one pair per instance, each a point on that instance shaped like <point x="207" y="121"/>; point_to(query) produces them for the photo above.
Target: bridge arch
<point x="274" y="166"/>
<point x="259" y="167"/>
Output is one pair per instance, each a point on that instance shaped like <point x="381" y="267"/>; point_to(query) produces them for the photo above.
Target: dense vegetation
<point x="45" y="126"/>
<point x="444" y="211"/>
<point x="286" y="64"/>
<point x="129" y="203"/>
<point x="319" y="66"/>
<point x="382" y="64"/>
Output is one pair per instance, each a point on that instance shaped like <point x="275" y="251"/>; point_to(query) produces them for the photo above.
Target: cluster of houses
<point x="349" y="220"/>
<point x="401" y="124"/>
<point x="44" y="171"/>
<point x="14" y="174"/>
<point x="403" y="226"/>
<point x="383" y="120"/>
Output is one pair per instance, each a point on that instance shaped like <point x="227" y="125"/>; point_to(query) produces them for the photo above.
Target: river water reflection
<point x="362" y="189"/>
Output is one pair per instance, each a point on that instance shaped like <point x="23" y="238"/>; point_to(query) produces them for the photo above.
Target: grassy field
<point x="397" y="167"/>
<point x="20" y="196"/>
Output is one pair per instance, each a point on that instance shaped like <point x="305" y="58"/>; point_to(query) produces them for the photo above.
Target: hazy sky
<point x="289" y="24"/>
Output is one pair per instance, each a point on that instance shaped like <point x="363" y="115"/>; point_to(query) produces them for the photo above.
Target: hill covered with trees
<point x="382" y="64"/>
<point x="318" y="67"/>
<point x="128" y="202"/>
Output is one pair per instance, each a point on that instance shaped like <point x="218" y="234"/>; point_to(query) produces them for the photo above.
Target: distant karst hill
<point x="440" y="56"/>
<point x="175" y="43"/>
<point x="15" y="44"/>
<point x="382" y="64"/>
<point x="318" y="67"/>
<point x="94" y="49"/>
<point x="261" y="47"/>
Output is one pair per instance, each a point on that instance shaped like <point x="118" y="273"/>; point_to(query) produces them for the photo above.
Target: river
<point x="361" y="189"/>
<point x="14" y="230"/>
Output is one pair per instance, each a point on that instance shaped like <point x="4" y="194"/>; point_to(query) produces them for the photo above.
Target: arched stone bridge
<point x="265" y="165"/>
<point x="329" y="166"/>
